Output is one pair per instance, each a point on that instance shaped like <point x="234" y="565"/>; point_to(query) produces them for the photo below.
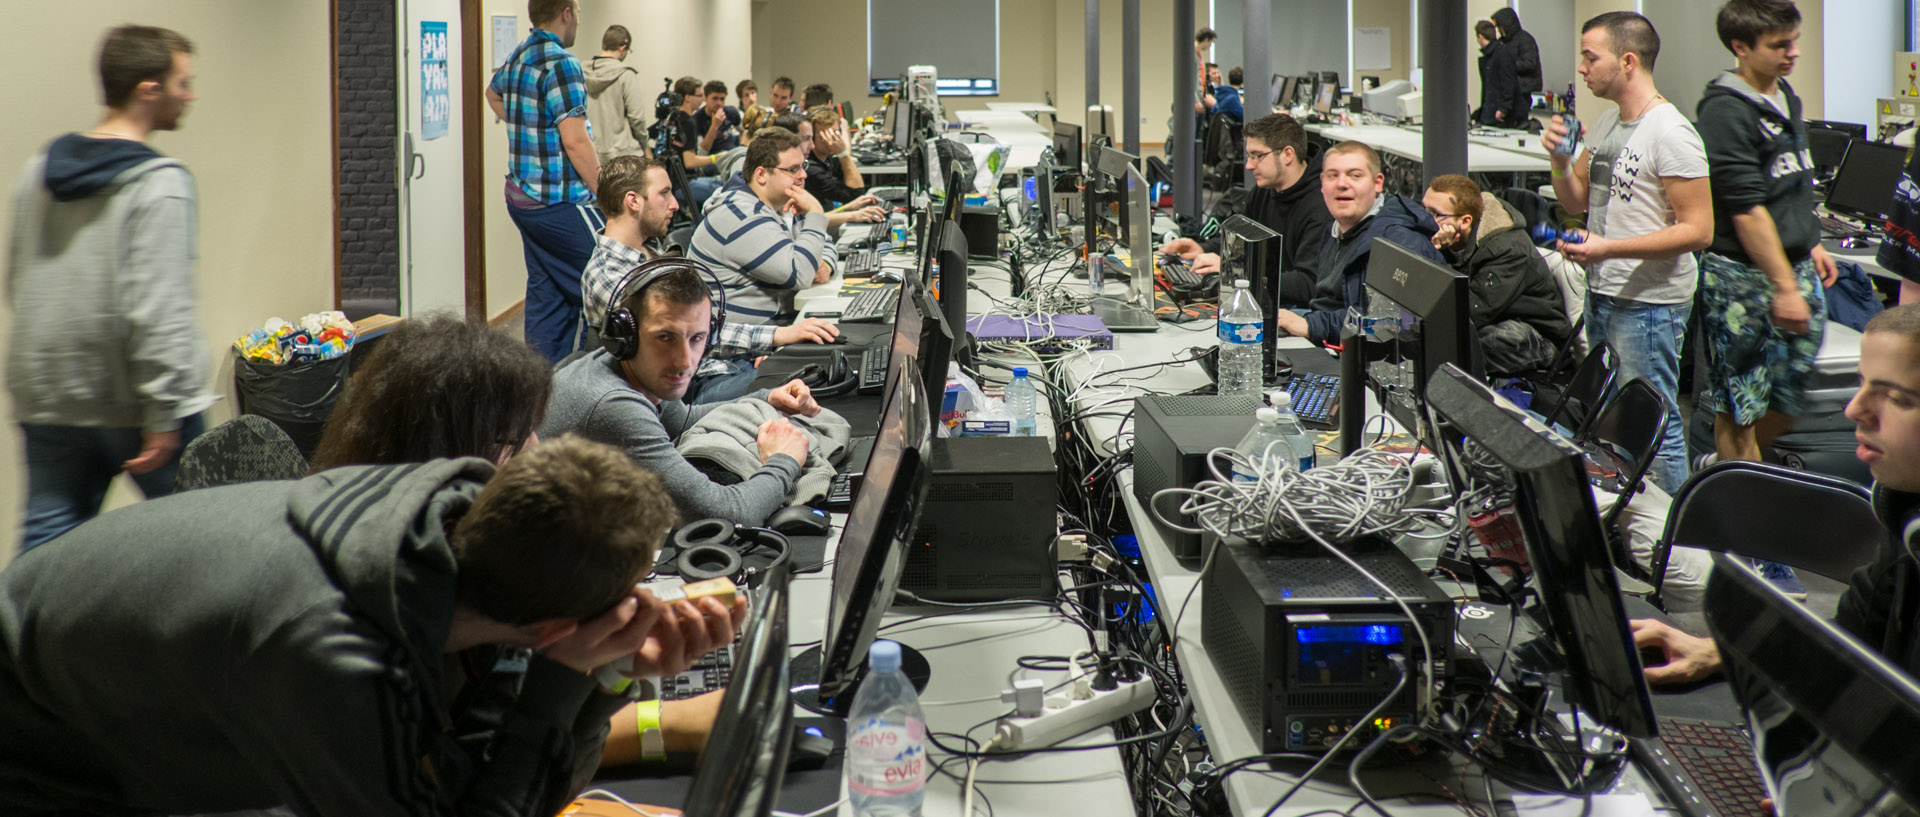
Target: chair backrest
<point x="1630" y="425"/>
<point x="247" y="448"/>
<point x="1799" y="518"/>
<point x="1578" y="404"/>
<point x="1572" y="281"/>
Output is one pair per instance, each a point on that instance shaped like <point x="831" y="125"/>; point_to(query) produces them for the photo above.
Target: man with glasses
<point x="1516" y="306"/>
<point x="1286" y="198"/>
<point x="763" y="234"/>
<point x="1351" y="183"/>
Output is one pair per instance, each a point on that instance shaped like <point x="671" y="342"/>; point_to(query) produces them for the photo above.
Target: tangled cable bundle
<point x="1362" y="495"/>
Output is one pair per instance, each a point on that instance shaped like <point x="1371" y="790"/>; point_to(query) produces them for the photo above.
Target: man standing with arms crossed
<point x="105" y="363"/>
<point x="1641" y="178"/>
<point x="552" y="169"/>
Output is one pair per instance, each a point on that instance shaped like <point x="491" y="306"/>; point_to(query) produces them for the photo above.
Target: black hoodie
<point x="1299" y="215"/>
<point x="79" y="166"/>
<point x="1882" y="603"/>
<point x="1758" y="157"/>
<point x="1526" y="52"/>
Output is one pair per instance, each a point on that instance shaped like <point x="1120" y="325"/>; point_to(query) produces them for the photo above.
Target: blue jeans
<point x="723" y="388"/>
<point x="557" y="240"/>
<point x="70" y="467"/>
<point x="1646" y="341"/>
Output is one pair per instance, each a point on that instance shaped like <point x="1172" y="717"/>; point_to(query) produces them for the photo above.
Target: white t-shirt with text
<point x="1626" y="199"/>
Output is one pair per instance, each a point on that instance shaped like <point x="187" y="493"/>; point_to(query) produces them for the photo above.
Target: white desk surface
<point x="1021" y="107"/>
<point x="1406" y="141"/>
<point x="1009" y="120"/>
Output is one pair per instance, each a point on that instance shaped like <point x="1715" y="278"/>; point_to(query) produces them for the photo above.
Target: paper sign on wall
<point x="1372" y="49"/>
<point x="506" y="37"/>
<point x="435" y="104"/>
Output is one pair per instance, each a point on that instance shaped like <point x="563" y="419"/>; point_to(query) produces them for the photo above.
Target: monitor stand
<point x="804" y="673"/>
<point x="1121" y="316"/>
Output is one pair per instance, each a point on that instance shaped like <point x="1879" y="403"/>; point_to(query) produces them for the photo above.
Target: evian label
<point x="887" y="759"/>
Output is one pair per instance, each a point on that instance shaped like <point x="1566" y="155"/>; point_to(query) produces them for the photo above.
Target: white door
<point x="432" y="240"/>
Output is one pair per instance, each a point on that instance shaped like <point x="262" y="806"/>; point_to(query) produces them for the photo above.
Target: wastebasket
<point x="297" y="396"/>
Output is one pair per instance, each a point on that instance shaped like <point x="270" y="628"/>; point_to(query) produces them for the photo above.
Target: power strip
<point x="1069" y="715"/>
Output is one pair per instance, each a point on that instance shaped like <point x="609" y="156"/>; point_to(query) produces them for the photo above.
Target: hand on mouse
<point x="806" y="330"/>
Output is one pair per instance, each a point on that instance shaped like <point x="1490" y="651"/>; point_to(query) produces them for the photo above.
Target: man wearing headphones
<point x="639" y="204"/>
<point x="629" y="393"/>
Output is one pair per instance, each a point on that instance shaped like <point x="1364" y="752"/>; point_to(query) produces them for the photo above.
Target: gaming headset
<point x="712" y="548"/>
<point x="620" y="332"/>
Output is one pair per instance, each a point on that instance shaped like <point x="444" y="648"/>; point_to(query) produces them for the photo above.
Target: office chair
<point x="1626" y="436"/>
<point x="247" y="448"/>
<point x="1808" y="521"/>
<point x="1571" y="402"/>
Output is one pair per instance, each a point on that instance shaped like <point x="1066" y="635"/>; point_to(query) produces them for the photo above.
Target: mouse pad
<point x="801" y="792"/>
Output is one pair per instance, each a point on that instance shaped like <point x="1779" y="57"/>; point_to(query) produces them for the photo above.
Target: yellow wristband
<point x="1557" y="172"/>
<point x="646" y="721"/>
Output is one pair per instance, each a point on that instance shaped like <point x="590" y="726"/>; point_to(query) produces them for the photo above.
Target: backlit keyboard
<point x="1314" y="398"/>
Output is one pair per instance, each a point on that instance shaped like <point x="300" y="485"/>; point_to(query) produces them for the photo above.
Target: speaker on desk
<point x="986" y="529"/>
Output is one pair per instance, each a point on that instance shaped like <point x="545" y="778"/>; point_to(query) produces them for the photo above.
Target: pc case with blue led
<point x="1302" y="640"/>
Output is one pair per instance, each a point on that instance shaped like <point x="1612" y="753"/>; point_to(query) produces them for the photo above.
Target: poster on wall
<point x="434" y="102"/>
<point x="506" y="37"/>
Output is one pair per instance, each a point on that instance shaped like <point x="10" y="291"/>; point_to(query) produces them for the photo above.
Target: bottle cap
<point x="1266" y="415"/>
<point x="1019" y="371"/>
<point x="883" y="656"/>
<point x="1279" y="399"/>
<point x="1240" y="283"/>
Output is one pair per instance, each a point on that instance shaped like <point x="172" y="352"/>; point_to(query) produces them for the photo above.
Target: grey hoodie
<point x="617" y="108"/>
<point x="100" y="270"/>
<point x="264" y="644"/>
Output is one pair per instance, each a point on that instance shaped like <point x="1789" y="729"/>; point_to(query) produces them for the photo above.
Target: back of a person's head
<point x="1236" y="76"/>
<point x="562" y="530"/>
<point x="616" y="38"/>
<point x="438" y="386"/>
<point x="546" y="11"/>
<point x="1486" y="30"/>
<point x="816" y="95"/>
<point x="130" y="55"/>
<point x="790" y="121"/>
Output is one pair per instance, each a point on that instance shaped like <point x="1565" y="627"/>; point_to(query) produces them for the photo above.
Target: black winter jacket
<point x="1343" y="260"/>
<point x="1882" y="603"/>
<point x="1526" y="52"/>
<point x="1500" y="89"/>
<point x="1299" y="215"/>
<point x="1506" y="278"/>
<point x="1758" y="157"/>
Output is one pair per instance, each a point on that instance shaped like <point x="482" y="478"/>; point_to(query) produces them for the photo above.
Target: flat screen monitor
<point x="1303" y="91"/>
<point x="1832" y="721"/>
<point x="1323" y="96"/>
<point x="1572" y="565"/>
<point x="1827" y="146"/>
<point x="866" y="569"/>
<point x="951" y="281"/>
<point x="1868" y="174"/>
<point x="1853" y="129"/>
<point x="745" y="760"/>
<point x="1282" y="90"/>
<point x="1066" y="147"/>
<point x="1251" y="250"/>
<point x="921" y="332"/>
<point x="1422" y="320"/>
<point x="900" y="120"/>
<point x="1100" y="121"/>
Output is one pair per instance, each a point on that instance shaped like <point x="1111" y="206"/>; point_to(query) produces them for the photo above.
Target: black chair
<point x="1533" y="207"/>
<point x="1805" y="520"/>
<point x="247" y="448"/>
<point x="1625" y="436"/>
<point x="1572" y="402"/>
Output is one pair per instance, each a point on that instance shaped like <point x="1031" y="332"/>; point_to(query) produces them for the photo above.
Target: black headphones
<point x="620" y="332"/>
<point x="832" y="378"/>
<point x="713" y="548"/>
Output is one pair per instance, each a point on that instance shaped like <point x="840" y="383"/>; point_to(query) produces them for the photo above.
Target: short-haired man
<point x="816" y="95"/>
<point x="324" y="676"/>
<point x="541" y="93"/>
<point x="638" y="201"/>
<point x="782" y="96"/>
<point x="833" y="176"/>
<point x="763" y="234"/>
<point x="1353" y="187"/>
<point x="1516" y="306"/>
<point x="1286" y="198"/>
<point x="682" y="135"/>
<point x="1227" y="98"/>
<point x="1502" y="104"/>
<point x="1878" y="605"/>
<point x="105" y="362"/>
<point x="1641" y="178"/>
<point x="637" y="404"/>
<point x="616" y="104"/>
<point x="717" y="122"/>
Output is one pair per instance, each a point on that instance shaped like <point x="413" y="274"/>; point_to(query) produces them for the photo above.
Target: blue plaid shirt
<point x="541" y="85"/>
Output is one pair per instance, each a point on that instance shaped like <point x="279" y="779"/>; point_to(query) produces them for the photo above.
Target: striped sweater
<point x="756" y="253"/>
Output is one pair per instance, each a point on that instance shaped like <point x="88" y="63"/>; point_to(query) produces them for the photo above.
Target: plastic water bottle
<point x="1296" y="435"/>
<point x="1266" y="442"/>
<point x="1240" y="327"/>
<point x="1020" y="402"/>
<point x="886" y="740"/>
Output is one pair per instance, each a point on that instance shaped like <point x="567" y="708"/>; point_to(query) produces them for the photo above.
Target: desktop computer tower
<point x="1171" y="438"/>
<point x="986" y="530"/>
<point x="1301" y="640"/>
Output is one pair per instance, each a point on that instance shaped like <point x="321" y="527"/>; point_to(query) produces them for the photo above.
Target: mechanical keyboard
<point x="1180" y="273"/>
<point x="1315" y="398"/>
<point x="873" y="369"/>
<point x="1831" y="227"/>
<point x="839" y="492"/>
<point x="709" y="674"/>
<point x="861" y="263"/>
<point x="1695" y="761"/>
<point x="872" y="306"/>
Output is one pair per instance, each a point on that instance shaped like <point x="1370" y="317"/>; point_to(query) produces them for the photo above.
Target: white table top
<point x="1021" y="107"/>
<point x="1406" y="141"/>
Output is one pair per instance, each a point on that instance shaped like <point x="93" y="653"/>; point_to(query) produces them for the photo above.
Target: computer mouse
<point x="810" y="750"/>
<point x="887" y="276"/>
<point x="800" y="519"/>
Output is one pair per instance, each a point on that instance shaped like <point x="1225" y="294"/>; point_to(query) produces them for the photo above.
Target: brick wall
<point x="368" y="119"/>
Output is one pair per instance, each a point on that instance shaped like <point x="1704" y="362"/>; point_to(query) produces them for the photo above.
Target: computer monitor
<point x="1868" y="174"/>
<point x="1853" y="129"/>
<point x="951" y="280"/>
<point x="1251" y="250"/>
<point x="1572" y="565"/>
<point x="1066" y="147"/>
<point x="900" y="121"/>
<point x="1832" y="721"/>
<point x="866" y="569"/>
<point x="1331" y="78"/>
<point x="1303" y="90"/>
<point x="1323" y="96"/>
<point x="1100" y="122"/>
<point x="921" y="331"/>
<point x="1419" y="319"/>
<point x="745" y="760"/>
<point x="1827" y="146"/>
<point x="1282" y="91"/>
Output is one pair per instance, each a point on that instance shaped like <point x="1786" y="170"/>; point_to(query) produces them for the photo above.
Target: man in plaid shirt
<point x="638" y="201"/>
<point x="541" y="93"/>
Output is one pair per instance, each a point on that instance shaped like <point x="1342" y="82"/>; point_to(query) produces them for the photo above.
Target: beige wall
<point x="1809" y="75"/>
<point x="1390" y="14"/>
<point x="257" y="141"/>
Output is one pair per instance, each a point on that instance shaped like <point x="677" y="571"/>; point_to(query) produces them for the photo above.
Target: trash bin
<point x="297" y="396"/>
